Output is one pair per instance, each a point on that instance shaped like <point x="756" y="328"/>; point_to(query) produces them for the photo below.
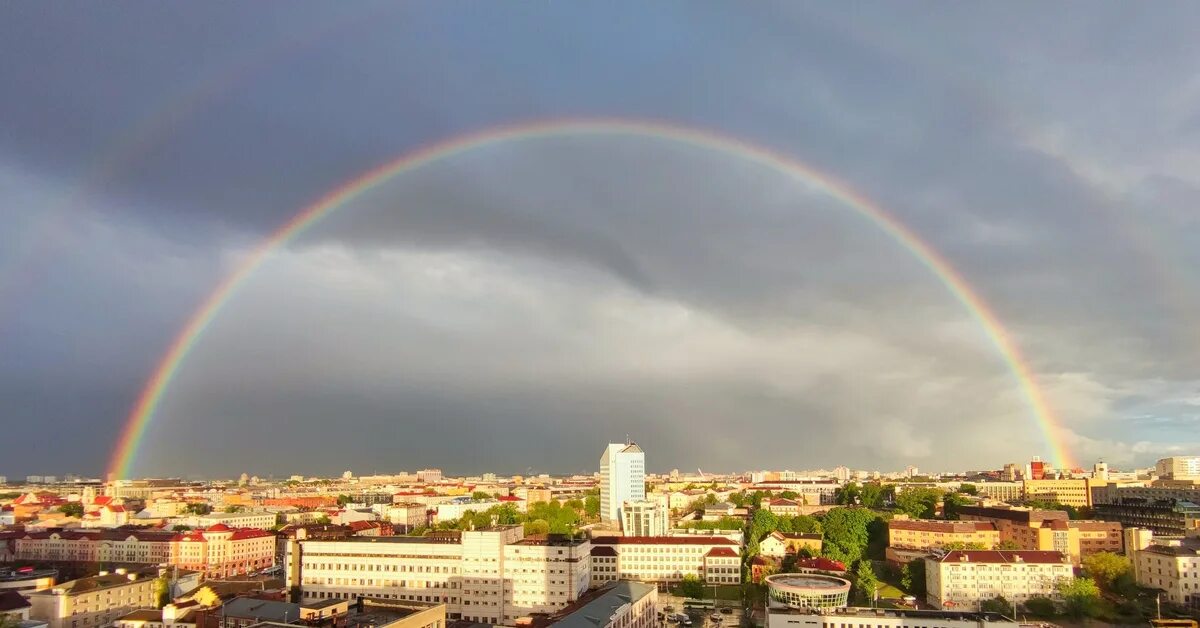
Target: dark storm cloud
<point x="168" y="140"/>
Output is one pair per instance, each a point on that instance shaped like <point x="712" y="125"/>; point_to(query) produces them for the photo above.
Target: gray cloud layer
<point x="517" y="305"/>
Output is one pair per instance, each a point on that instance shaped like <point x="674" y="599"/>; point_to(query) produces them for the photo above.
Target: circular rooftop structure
<point x="808" y="590"/>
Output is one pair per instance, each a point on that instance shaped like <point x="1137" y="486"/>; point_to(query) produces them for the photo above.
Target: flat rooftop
<point x="897" y="613"/>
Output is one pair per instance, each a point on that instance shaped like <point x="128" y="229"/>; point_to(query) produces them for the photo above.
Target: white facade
<point x="715" y="560"/>
<point x="963" y="579"/>
<point x="622" y="479"/>
<point x="644" y="518"/>
<point x="494" y="575"/>
<point x="259" y="520"/>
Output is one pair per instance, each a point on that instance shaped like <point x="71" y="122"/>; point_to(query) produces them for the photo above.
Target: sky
<point x="514" y="306"/>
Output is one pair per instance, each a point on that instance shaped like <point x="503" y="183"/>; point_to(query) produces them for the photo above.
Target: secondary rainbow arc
<point x="152" y="393"/>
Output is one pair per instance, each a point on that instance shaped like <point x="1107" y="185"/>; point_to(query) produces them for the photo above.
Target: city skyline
<point x="430" y="236"/>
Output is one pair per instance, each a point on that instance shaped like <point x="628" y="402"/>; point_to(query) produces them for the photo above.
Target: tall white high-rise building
<point x="622" y="478"/>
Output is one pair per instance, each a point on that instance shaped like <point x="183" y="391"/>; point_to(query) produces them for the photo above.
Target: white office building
<point x="644" y="518"/>
<point x="1178" y="468"/>
<point x="622" y="479"/>
<point x="493" y="575"/>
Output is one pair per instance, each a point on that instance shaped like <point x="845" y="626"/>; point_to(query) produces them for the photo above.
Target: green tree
<point x="199" y="508"/>
<point x="789" y="495"/>
<point x="574" y="504"/>
<point x="866" y="583"/>
<point x="848" y="495"/>
<point x="537" y="526"/>
<point x="1081" y="597"/>
<point x="951" y="502"/>
<point x="481" y="496"/>
<point x="919" y="502"/>
<point x="998" y="604"/>
<point x="1008" y="544"/>
<point x="691" y="587"/>
<point x="969" y="489"/>
<point x="181" y="528"/>
<point x="847" y="534"/>
<point x="322" y="520"/>
<point x="162" y="591"/>
<point x="234" y="508"/>
<point x="873" y="495"/>
<point x="959" y="545"/>
<point x="1041" y="607"/>
<point x="591" y="506"/>
<point x="342" y="500"/>
<point x="912" y="577"/>
<point x="1106" y="567"/>
<point x="71" y="509"/>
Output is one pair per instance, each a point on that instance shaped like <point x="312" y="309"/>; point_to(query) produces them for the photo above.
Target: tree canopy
<point x="919" y="502"/>
<point x="1081" y="597"/>
<point x="1106" y="567"/>
<point x="847" y="533"/>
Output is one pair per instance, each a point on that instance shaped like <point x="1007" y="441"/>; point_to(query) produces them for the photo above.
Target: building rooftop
<point x="854" y="611"/>
<point x="437" y="537"/>
<point x="551" y="539"/>
<point x="591" y="611"/>
<point x="1004" y="556"/>
<point x="10" y="600"/>
<point x="95" y="583"/>
<point x="1186" y="547"/>
<point x="265" y="610"/>
<point x="16" y="575"/>
<point x="1023" y="515"/>
<point x="662" y="540"/>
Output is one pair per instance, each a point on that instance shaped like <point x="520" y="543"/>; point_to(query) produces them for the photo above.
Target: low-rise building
<point x="924" y="534"/>
<point x="715" y="560"/>
<point x="94" y="601"/>
<point x="1000" y="491"/>
<point x="961" y="579"/>
<point x="259" y="520"/>
<point x="1048" y="530"/>
<point x="220" y="551"/>
<point x="779" y="544"/>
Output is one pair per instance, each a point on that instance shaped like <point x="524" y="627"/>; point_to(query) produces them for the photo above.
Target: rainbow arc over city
<point x="152" y="394"/>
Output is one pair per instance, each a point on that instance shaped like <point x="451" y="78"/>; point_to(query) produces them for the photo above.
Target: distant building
<point x="1001" y="491"/>
<point x="962" y="579"/>
<point x="622" y="479"/>
<point x="1100" y="471"/>
<point x="853" y="617"/>
<point x="1178" y="468"/>
<point x="1010" y="473"/>
<point x="1036" y="469"/>
<point x="779" y="544"/>
<point x="1068" y="492"/>
<point x="429" y="476"/>
<point x="1049" y="530"/>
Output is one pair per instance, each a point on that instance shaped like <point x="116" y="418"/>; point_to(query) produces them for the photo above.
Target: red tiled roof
<point x="722" y="552"/>
<point x="112" y="508"/>
<point x="783" y="502"/>
<point x="102" y="500"/>
<point x="510" y="498"/>
<point x="220" y="527"/>
<point x="249" y="533"/>
<point x="1004" y="556"/>
<point x="662" y="540"/>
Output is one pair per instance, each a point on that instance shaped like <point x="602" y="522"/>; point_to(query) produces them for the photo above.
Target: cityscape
<point x="620" y="314"/>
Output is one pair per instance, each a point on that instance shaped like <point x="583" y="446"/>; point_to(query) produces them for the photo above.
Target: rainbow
<point x="152" y="394"/>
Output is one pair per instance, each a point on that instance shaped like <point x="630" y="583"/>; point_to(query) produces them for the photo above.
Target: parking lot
<point x="728" y="614"/>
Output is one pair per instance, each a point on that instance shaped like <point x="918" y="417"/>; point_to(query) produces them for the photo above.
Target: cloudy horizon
<point x="521" y="303"/>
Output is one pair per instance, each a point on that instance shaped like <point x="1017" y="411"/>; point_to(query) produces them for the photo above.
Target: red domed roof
<point x="220" y="527"/>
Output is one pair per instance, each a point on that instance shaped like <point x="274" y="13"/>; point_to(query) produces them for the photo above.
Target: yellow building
<point x="928" y="534"/>
<point x="95" y="601"/>
<point x="1049" y="530"/>
<point x="1069" y="492"/>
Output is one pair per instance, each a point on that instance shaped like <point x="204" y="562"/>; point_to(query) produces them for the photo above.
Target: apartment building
<point x="1075" y="492"/>
<point x="1174" y="568"/>
<point x="221" y="552"/>
<point x="961" y="579"/>
<point x="1159" y="490"/>
<point x="715" y="560"/>
<point x="95" y="601"/>
<point x="151" y="547"/>
<point x="922" y="534"/>
<point x="1049" y="530"/>
<point x="491" y="575"/>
